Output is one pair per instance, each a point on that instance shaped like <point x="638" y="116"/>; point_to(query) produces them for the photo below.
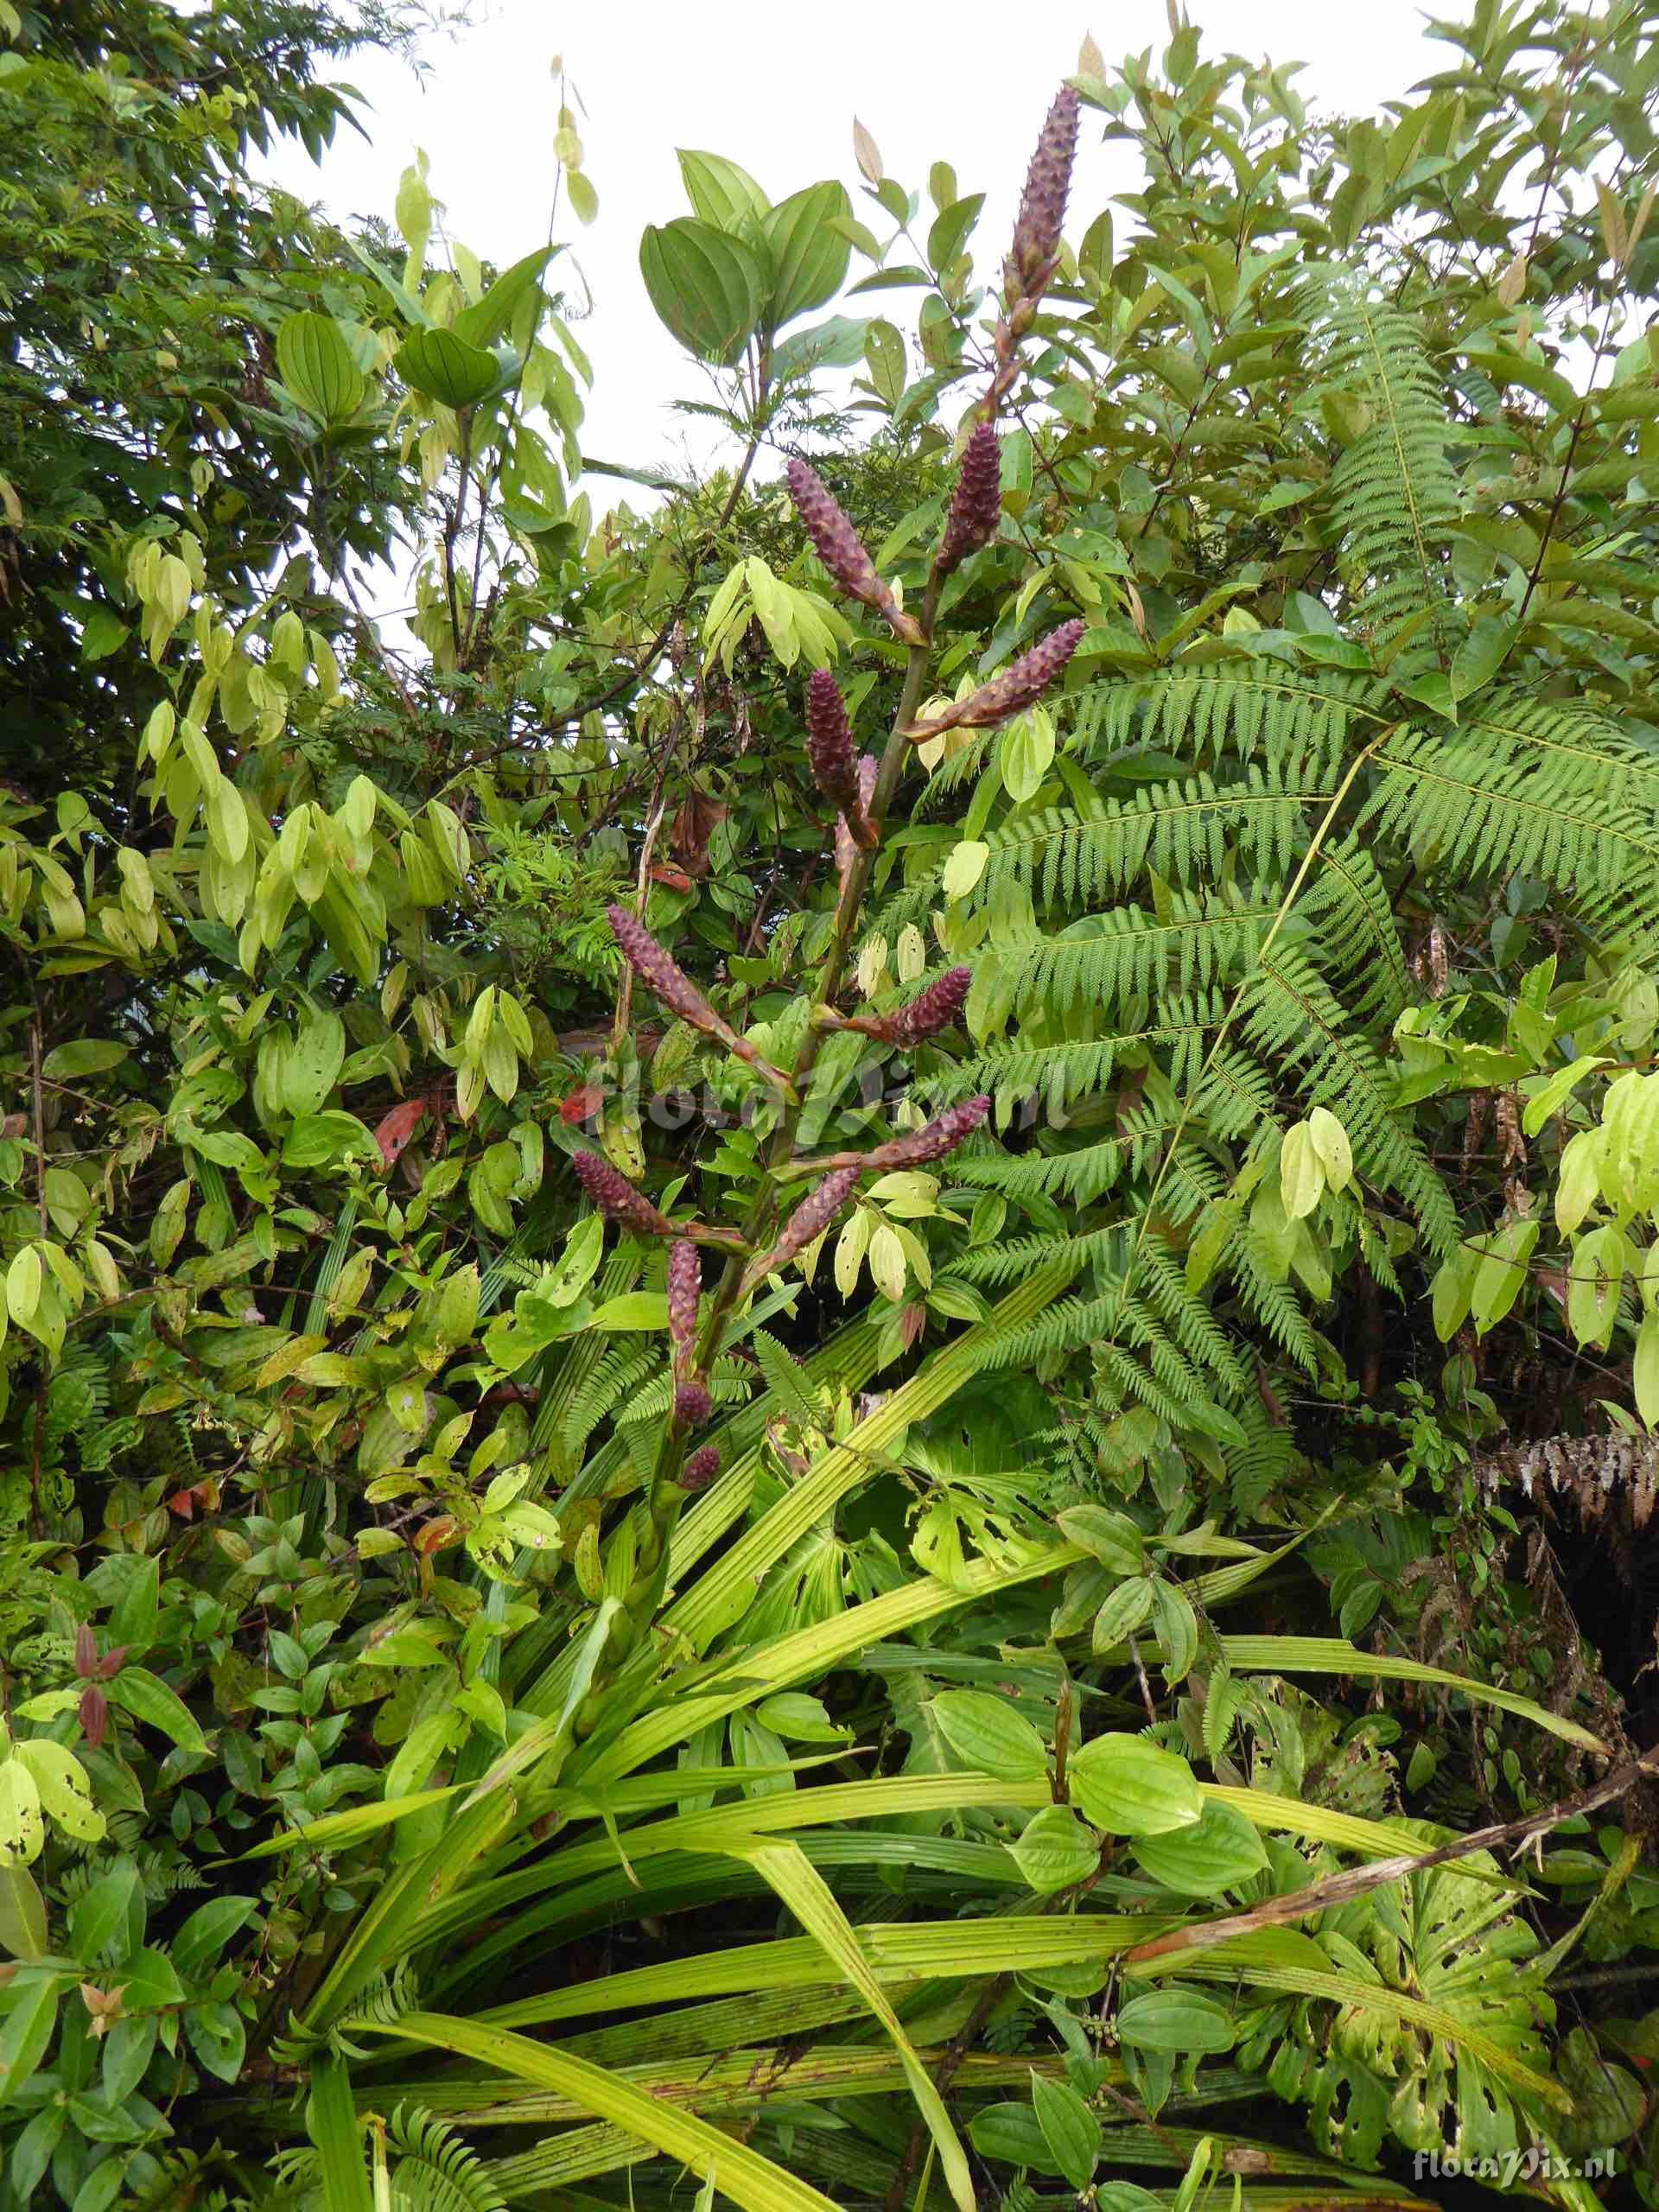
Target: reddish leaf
<point x="672" y="878"/>
<point x="394" y="1129"/>
<point x="183" y="1502"/>
<point x="581" y="1104"/>
<point x="94" y="1711"/>
<point x="85" y="1651"/>
<point x="438" y="1535"/>
<point x="112" y="1661"/>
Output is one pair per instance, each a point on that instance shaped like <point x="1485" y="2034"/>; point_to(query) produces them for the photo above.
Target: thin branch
<point x="1341" y="1889"/>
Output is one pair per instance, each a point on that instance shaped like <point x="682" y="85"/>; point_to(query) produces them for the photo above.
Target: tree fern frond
<point x="1288" y="1015"/>
<point x="1162" y="1279"/>
<point x="1270" y="1304"/>
<point x="1537" y="788"/>
<point x="1263" y="1461"/>
<point x="1393" y="492"/>
<point x="1078" y="1321"/>
<point x="1272" y="713"/>
<point x="621" y="1370"/>
<point x="436" y="2170"/>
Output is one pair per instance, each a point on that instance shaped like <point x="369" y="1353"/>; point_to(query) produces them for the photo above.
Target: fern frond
<point x="1275" y="714"/>
<point x="1532" y="787"/>
<point x="1393" y="492"/>
<point x="1290" y="1017"/>
<point x="437" y="2169"/>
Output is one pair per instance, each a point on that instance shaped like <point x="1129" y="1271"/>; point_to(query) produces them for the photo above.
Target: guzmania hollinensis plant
<point x="860" y="791"/>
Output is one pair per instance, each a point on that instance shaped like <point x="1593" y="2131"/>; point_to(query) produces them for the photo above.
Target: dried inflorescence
<point x="935" y="1008"/>
<point x="678" y="992"/>
<point x="977" y="503"/>
<point x="830" y="753"/>
<point x="701" y="1468"/>
<point x="842" y="551"/>
<point x="847" y="846"/>
<point x="616" y="1198"/>
<point x="1020" y="685"/>
<point x="810" y="1219"/>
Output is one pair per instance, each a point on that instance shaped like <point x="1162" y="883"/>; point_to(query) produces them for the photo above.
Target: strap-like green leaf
<point x="742" y="2174"/>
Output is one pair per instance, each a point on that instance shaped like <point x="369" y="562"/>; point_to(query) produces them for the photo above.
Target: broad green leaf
<point x="1070" y="2129"/>
<point x="1177" y="2020"/>
<point x="1219" y="1851"/>
<point x="1131" y="1787"/>
<point x="22" y="1912"/>
<point x="148" y="1698"/>
<point x="989" y="1734"/>
<point x="1055" y="1849"/>
<point x="1301" y="1172"/>
<point x="441" y="366"/>
<point x="207" y="1931"/>
<point x="1501" y="1276"/>
<point x="1552" y="1094"/>
<point x="318" y="1140"/>
<point x="82" y="1056"/>
<point x="315" y="363"/>
<point x="1025" y="751"/>
<point x="311" y="1066"/>
<point x="635" y="1310"/>
<point x="23" y="1279"/>
<point x="705" y="286"/>
<point x="807" y="256"/>
<point x="722" y="195"/>
<point x="495" y="319"/>
<point x="963" y="868"/>
<point x="1644" y="1369"/>
<point x="100" y="1913"/>
<point x="65" y="1792"/>
<point x="1330" y="1142"/>
<point x="22" y="1830"/>
<point x="26" y="2028"/>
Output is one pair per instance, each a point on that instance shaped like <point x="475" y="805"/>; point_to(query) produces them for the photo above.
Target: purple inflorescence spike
<point x="829" y="753"/>
<point x="616" y="1198"/>
<point x="1042" y="205"/>
<point x="1020" y="685"/>
<point x="701" y="1468"/>
<point x="841" y="548"/>
<point x="684" y="1286"/>
<point x="692" y="1402"/>
<point x="929" y="1011"/>
<point x="942" y="1134"/>
<point x="977" y="503"/>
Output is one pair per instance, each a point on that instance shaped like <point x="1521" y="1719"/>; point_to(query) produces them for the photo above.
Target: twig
<point x="36" y="1442"/>
<point x="1340" y="1889"/>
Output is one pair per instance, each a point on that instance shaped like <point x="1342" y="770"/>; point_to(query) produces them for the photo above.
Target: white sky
<point x="774" y="85"/>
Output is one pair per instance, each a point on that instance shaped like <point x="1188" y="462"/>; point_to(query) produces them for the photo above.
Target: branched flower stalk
<point x="861" y="801"/>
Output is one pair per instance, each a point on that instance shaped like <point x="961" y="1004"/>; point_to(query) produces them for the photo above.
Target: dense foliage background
<point x="1138" y="1679"/>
